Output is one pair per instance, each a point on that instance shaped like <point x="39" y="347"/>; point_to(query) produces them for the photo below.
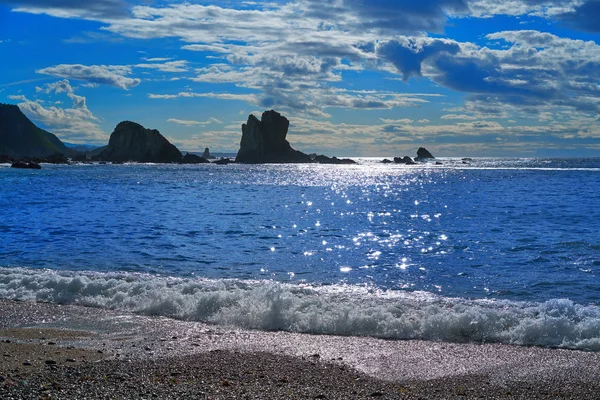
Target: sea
<point x="484" y="250"/>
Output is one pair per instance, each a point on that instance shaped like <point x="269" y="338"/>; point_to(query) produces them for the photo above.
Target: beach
<point x="71" y="352"/>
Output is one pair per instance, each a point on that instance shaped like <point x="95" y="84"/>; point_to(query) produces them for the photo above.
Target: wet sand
<point x="70" y="352"/>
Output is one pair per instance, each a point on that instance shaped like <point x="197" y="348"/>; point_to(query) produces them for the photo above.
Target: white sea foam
<point x="339" y="310"/>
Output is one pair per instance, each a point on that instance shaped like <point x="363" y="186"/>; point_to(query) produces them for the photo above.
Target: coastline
<point x="96" y="353"/>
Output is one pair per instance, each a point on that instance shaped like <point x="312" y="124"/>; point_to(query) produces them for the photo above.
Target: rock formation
<point x="193" y="159"/>
<point x="25" y="165"/>
<point x="132" y="142"/>
<point x="265" y="141"/>
<point x="423" y="154"/>
<point x="404" y="160"/>
<point x="321" y="159"/>
<point x="206" y="155"/>
<point x="20" y="138"/>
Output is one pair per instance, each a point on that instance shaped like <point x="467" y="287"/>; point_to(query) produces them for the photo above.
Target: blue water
<point x="497" y="250"/>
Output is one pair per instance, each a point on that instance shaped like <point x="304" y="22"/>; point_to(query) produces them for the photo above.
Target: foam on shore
<point x="334" y="310"/>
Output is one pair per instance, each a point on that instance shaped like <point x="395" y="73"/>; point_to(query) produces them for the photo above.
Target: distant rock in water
<point x="206" y="155"/>
<point x="26" y="165"/>
<point x="265" y="141"/>
<point x="423" y="154"/>
<point x="333" y="160"/>
<point x="20" y="138"/>
<point x="132" y="142"/>
<point x="193" y="159"/>
<point x="404" y="160"/>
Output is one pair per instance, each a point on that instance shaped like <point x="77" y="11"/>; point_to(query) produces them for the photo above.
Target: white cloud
<point x="193" y="123"/>
<point x="169" y="66"/>
<point x="76" y="124"/>
<point x="114" y="75"/>
<point x="205" y="47"/>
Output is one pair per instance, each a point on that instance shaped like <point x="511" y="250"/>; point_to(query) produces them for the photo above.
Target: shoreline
<point x="72" y="348"/>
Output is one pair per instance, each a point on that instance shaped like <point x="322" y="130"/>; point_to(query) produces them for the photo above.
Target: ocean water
<point x="494" y="250"/>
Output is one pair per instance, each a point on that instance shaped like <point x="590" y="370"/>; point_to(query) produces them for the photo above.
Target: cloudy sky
<point x="355" y="77"/>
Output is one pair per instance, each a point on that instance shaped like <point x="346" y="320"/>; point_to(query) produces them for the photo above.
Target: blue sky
<point x="355" y="77"/>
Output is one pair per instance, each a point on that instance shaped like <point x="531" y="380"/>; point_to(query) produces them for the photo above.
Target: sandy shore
<point x="69" y="352"/>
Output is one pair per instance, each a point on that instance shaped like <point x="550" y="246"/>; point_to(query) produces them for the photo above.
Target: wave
<point x="335" y="310"/>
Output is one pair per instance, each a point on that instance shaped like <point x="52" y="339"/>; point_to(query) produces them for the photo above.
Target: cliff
<point x="132" y="142"/>
<point x="264" y="141"/>
<point x="21" y="138"/>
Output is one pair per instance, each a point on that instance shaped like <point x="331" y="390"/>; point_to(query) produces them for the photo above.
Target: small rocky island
<point x="264" y="141"/>
<point x="130" y="141"/>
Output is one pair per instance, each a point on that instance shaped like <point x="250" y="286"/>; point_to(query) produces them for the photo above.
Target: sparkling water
<point x="486" y="250"/>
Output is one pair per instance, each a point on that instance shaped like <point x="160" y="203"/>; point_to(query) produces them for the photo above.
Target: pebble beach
<point x="70" y="352"/>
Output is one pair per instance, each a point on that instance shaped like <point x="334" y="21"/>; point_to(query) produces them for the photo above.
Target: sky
<point x="354" y="77"/>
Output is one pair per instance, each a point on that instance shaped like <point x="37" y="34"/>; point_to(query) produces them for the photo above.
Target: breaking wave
<point x="336" y="309"/>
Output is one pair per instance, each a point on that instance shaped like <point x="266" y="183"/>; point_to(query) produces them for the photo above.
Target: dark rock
<point x="206" y="155"/>
<point x="386" y="161"/>
<point x="56" y="158"/>
<point x="193" y="159"/>
<point x="82" y="157"/>
<point x="21" y="138"/>
<point x="132" y="142"/>
<point x="423" y="154"/>
<point x="404" y="160"/>
<point x="50" y="362"/>
<point x="224" y="161"/>
<point x="438" y="163"/>
<point x="26" y="165"/>
<point x="265" y="141"/>
<point x="467" y="159"/>
<point x="321" y="159"/>
<point x="4" y="159"/>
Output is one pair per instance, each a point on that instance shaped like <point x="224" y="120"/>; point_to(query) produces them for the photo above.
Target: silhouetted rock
<point x="193" y="159"/>
<point x="404" y="160"/>
<point x="206" y="155"/>
<point x="132" y="142"/>
<point x="21" y="138"/>
<point x="4" y="159"/>
<point x="26" y="165"/>
<point x="386" y="161"/>
<point x="224" y="161"/>
<point x="321" y="159"/>
<point x="82" y="157"/>
<point x="265" y="141"/>
<point x="423" y="154"/>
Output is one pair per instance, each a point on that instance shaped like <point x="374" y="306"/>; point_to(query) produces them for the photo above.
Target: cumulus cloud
<point x="97" y="9"/>
<point x="76" y="124"/>
<point x="114" y="75"/>
<point x="182" y="122"/>
<point x="169" y="66"/>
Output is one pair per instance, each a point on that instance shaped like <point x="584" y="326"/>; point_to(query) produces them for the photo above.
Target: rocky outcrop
<point x="206" y="155"/>
<point x="193" y="159"/>
<point x="264" y="141"/>
<point x="132" y="142"/>
<point x="404" y="160"/>
<point x="26" y="165"/>
<point x="423" y="154"/>
<point x="321" y="159"/>
<point x="20" y="138"/>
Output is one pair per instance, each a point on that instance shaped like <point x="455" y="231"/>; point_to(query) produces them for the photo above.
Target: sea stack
<point x="206" y="155"/>
<point x="132" y="142"/>
<point x="423" y="154"/>
<point x="264" y="141"/>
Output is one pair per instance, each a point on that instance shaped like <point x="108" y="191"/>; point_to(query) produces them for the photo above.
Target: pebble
<point x="27" y="362"/>
<point x="50" y="362"/>
<point x="70" y="360"/>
